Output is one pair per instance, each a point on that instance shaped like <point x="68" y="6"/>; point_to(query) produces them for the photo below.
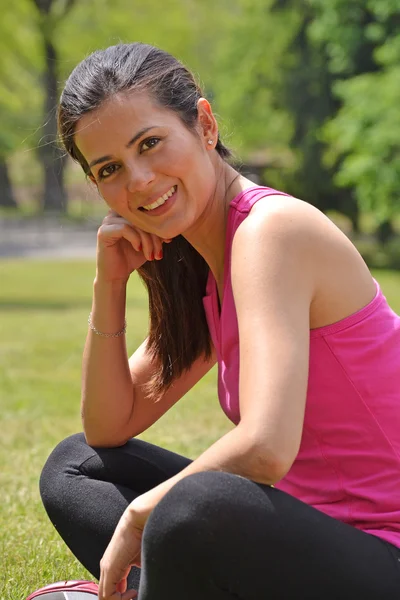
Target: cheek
<point x="112" y="194"/>
<point x="176" y="164"/>
<point x="182" y="157"/>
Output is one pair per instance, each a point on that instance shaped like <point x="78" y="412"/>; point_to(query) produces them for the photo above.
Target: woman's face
<point x="148" y="167"/>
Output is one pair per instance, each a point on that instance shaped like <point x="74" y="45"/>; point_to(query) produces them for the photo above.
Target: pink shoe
<point x="67" y="590"/>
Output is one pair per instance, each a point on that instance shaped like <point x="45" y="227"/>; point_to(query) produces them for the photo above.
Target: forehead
<point x="122" y="116"/>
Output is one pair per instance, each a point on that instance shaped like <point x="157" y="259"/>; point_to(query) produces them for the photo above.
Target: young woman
<point x="301" y="500"/>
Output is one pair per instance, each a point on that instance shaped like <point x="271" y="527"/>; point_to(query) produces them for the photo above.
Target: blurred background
<point x="307" y="94"/>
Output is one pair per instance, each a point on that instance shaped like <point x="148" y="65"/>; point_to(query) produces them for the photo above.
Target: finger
<point x="108" y="589"/>
<point x="112" y="587"/>
<point x="133" y="236"/>
<point x="115" y="219"/>
<point x="104" y="591"/>
<point x="116" y="595"/>
<point x="157" y="247"/>
<point x="112" y="215"/>
<point x="122" y="586"/>
<point x="147" y="244"/>
<point x="101" y="587"/>
<point x="129" y="594"/>
<point x="112" y="232"/>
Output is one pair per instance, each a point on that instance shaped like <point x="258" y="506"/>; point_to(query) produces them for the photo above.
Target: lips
<point x="162" y="208"/>
<point x="159" y="201"/>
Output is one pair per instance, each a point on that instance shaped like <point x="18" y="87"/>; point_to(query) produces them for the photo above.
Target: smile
<point x="160" y="201"/>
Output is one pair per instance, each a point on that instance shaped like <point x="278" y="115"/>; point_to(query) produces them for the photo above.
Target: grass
<point x="43" y="321"/>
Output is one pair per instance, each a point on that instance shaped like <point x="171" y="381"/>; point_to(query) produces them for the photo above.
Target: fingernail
<point x="159" y="255"/>
<point x="140" y="248"/>
<point x="151" y="256"/>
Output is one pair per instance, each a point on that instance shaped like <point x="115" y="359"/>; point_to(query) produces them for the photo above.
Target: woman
<point x="232" y="269"/>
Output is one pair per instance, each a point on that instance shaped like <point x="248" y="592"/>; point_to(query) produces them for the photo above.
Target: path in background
<point x="47" y="238"/>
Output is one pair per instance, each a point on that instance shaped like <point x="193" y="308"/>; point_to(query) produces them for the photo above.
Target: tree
<point x="51" y="13"/>
<point x="7" y="198"/>
<point x="308" y="96"/>
<point x="277" y="87"/>
<point x="362" y="38"/>
<point x="70" y="36"/>
<point x="19" y="98"/>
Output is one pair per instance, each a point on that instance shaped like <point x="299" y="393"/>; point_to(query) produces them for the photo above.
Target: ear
<point x="207" y="123"/>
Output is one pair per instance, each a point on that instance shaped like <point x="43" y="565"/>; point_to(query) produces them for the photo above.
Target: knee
<point x="61" y="461"/>
<point x="204" y="509"/>
<point x="190" y="512"/>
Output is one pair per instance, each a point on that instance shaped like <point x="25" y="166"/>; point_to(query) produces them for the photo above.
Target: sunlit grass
<point x="43" y="322"/>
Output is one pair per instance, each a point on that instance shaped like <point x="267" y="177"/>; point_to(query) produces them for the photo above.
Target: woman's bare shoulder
<point x="288" y="209"/>
<point x="343" y="283"/>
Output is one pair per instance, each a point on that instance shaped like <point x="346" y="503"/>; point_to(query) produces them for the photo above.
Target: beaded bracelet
<point x="107" y="335"/>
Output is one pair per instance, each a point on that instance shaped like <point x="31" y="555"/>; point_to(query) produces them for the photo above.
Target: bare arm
<point x="107" y="390"/>
<point x="273" y="281"/>
<point x="114" y="407"/>
<point x="273" y="275"/>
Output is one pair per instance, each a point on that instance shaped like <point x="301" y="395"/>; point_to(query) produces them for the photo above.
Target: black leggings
<point x="214" y="536"/>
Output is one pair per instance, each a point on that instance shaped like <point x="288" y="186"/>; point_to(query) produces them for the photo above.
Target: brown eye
<point x="107" y="171"/>
<point x="149" y="143"/>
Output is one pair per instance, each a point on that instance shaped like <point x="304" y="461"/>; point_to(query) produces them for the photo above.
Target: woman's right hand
<point x="121" y="248"/>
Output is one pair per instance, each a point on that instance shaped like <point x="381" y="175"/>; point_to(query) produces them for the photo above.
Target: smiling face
<point x="148" y="166"/>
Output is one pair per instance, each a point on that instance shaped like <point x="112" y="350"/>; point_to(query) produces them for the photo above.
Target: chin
<point x="173" y="231"/>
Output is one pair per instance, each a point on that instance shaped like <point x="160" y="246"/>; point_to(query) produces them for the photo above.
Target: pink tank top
<point x="348" y="465"/>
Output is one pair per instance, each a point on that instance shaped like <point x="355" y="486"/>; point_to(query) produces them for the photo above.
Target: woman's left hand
<point x="122" y="553"/>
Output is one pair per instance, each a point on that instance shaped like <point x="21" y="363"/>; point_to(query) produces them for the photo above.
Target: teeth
<point x="160" y="200"/>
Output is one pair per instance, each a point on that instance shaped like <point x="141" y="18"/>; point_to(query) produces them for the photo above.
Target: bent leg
<point x="85" y="490"/>
<point x="219" y="536"/>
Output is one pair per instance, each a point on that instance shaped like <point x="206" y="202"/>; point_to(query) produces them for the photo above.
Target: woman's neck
<point x="208" y="237"/>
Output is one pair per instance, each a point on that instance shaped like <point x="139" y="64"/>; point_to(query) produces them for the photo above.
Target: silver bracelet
<point x="106" y="335"/>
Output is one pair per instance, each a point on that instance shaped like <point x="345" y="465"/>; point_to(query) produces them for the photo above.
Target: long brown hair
<point x="176" y="285"/>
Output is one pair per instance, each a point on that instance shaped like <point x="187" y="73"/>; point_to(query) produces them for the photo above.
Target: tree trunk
<point x="7" y="198"/>
<point x="355" y="221"/>
<point x="348" y="205"/>
<point x="50" y="155"/>
<point x="385" y="232"/>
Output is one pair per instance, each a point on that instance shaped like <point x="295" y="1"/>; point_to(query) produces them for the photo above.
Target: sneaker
<point x="67" y="590"/>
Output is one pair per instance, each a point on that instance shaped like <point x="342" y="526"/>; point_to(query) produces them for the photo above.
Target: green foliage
<point x="250" y="71"/>
<point x="341" y="27"/>
<point x="184" y="29"/>
<point x="366" y="133"/>
<point x="279" y="96"/>
<point x="312" y="87"/>
<point x="363" y="44"/>
<point x="20" y="94"/>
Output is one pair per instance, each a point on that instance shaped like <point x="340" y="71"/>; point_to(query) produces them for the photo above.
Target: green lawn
<point x="43" y="322"/>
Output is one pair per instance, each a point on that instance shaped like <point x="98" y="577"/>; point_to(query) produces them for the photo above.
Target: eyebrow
<point x="138" y="135"/>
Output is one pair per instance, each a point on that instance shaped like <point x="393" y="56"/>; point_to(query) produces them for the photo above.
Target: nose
<point x="139" y="177"/>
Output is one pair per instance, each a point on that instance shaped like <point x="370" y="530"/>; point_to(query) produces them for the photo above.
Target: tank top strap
<point x="244" y="201"/>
